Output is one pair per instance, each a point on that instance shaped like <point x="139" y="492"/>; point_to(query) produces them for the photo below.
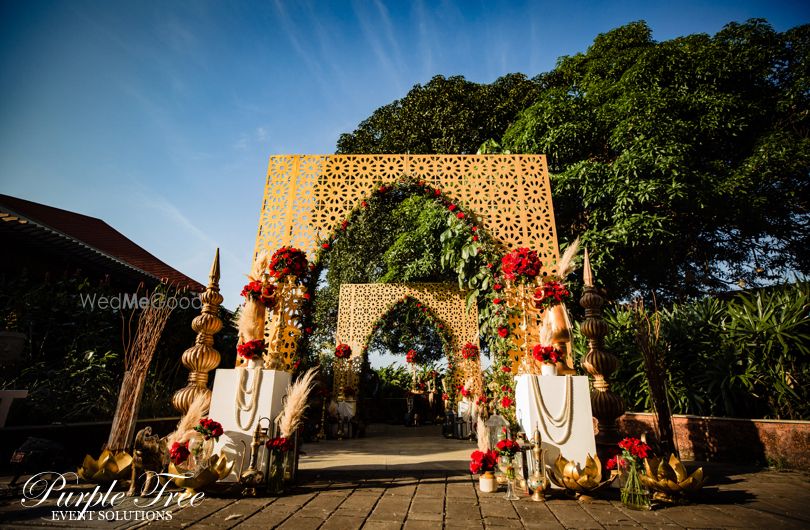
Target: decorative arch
<point x="307" y="196"/>
<point x="362" y="304"/>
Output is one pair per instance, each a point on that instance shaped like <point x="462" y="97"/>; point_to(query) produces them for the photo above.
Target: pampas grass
<point x="566" y="264"/>
<point x="251" y="318"/>
<point x="197" y="410"/>
<point x="483" y="435"/>
<point x="297" y="396"/>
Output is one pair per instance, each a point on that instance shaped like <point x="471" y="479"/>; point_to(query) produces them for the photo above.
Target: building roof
<point x="93" y="237"/>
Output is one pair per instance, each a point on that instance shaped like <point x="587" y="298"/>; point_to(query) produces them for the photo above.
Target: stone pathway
<point x="399" y="478"/>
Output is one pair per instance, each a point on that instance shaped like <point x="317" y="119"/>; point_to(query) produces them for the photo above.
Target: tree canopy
<point x="682" y="164"/>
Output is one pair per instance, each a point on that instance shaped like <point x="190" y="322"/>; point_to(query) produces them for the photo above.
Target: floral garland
<point x="252" y="349"/>
<point x="521" y="265"/>
<point x="469" y="351"/>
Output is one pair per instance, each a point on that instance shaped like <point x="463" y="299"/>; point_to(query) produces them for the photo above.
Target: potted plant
<point x="483" y="464"/>
<point x="548" y="357"/>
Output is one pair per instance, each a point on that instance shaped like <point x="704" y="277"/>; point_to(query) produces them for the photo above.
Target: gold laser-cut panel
<point x="307" y="196"/>
<point x="362" y="304"/>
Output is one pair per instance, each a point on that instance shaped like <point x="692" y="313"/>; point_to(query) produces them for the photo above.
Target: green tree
<point x="683" y="164"/>
<point x="447" y="115"/>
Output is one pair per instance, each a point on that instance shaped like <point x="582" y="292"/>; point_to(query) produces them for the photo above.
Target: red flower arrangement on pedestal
<point x="264" y="294"/>
<point x="209" y="429"/>
<point x="520" y="265"/>
<point x="286" y="261"/>
<point x="343" y="351"/>
<point x="410" y="357"/>
<point x="551" y="294"/>
<point x="470" y="351"/>
<point x="481" y="462"/>
<point x="179" y="453"/>
<point x="546" y="354"/>
<point x="252" y="349"/>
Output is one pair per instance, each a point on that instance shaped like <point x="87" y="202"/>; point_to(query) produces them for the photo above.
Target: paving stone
<point x="382" y="525"/>
<point x="412" y="524"/>
<point x="571" y="515"/>
<point x="425" y="516"/>
<point x="498" y="508"/>
<point x="300" y="522"/>
<point x="341" y="522"/>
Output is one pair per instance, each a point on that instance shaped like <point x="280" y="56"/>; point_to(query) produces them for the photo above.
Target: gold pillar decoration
<point x="283" y="326"/>
<point x="201" y="358"/>
<point x="606" y="405"/>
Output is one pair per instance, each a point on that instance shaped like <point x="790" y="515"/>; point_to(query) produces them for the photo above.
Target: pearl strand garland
<point x="242" y="391"/>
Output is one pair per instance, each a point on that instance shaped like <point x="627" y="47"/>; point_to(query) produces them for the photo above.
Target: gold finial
<point x="213" y="276"/>
<point x="587" y="272"/>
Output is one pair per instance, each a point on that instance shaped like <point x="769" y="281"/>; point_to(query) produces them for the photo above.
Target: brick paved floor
<point x="345" y="485"/>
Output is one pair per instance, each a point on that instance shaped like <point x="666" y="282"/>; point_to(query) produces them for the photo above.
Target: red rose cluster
<point x="469" y="351"/>
<point x="252" y="349"/>
<point x="179" y="453"/>
<point x="508" y="447"/>
<point x="411" y="356"/>
<point x="445" y="396"/>
<point x="287" y="260"/>
<point x="482" y="400"/>
<point x="550" y="294"/>
<point x="280" y="444"/>
<point x="343" y="351"/>
<point x="265" y="294"/>
<point x="209" y="428"/>
<point x="481" y="462"/>
<point x="635" y="447"/>
<point x="507" y="402"/>
<point x="546" y="354"/>
<point x="520" y="264"/>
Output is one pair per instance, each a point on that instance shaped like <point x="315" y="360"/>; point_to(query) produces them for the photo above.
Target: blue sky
<point x="159" y="116"/>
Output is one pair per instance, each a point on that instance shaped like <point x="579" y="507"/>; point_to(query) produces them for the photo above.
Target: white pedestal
<point x="581" y="441"/>
<point x="272" y="390"/>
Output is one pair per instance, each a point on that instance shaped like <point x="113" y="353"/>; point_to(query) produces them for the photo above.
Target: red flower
<point x="506" y="388"/>
<point x="343" y="351"/>
<point x="252" y="349"/>
<point x="179" y="453"/>
<point x="520" y="264"/>
<point x="469" y="351"/>
<point x="209" y="428"/>
<point x="506" y="402"/>
<point x="503" y="332"/>
<point x="452" y="207"/>
<point x="465" y="392"/>
<point x="437" y="192"/>
<point x="546" y="354"/>
<point x="506" y="369"/>
<point x="280" y="444"/>
<point x="287" y="260"/>
<point x="475" y="238"/>
<point x="550" y="294"/>
<point x="482" y="400"/>
<point x="474" y="228"/>
<point x="481" y="462"/>
<point x="508" y="447"/>
<point x="497" y="287"/>
<point x="261" y="293"/>
<point x="411" y="356"/>
<point x="344" y="224"/>
<point x="307" y="330"/>
<point x="460" y="215"/>
<point x="325" y="246"/>
<point x="307" y="296"/>
<point x="363" y="204"/>
<point x="445" y="396"/>
<point x="496" y="301"/>
<point x="383" y="188"/>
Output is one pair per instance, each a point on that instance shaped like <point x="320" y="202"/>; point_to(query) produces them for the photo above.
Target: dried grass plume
<point x="297" y="396"/>
<point x="198" y="409"/>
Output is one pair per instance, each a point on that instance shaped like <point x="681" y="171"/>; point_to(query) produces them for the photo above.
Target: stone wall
<point x="777" y="442"/>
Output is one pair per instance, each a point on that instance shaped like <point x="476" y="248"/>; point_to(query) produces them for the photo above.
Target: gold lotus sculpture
<point x="583" y="482"/>
<point x="669" y="479"/>
<point x="107" y="468"/>
<point x="215" y="468"/>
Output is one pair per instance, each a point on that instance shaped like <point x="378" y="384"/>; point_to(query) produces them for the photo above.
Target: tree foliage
<point x="447" y="115"/>
<point x="683" y="164"/>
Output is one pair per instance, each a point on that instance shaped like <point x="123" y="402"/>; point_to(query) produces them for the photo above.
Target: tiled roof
<point x="97" y="235"/>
